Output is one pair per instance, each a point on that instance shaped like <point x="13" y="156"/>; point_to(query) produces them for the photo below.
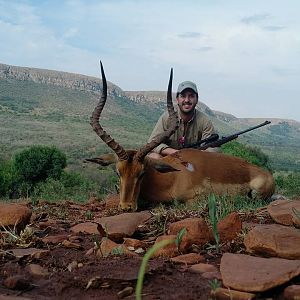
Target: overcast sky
<point x="243" y="55"/>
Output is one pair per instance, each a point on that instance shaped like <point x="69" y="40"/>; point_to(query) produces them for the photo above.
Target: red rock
<point x="274" y="240"/>
<point x="170" y="250"/>
<point x="87" y="227"/>
<point x="123" y="225"/>
<point x="281" y="211"/>
<point x="16" y="282"/>
<point x="188" y="259"/>
<point x="14" y="215"/>
<point x="197" y="232"/>
<point x="55" y="239"/>
<point x="128" y="242"/>
<point x="112" y="201"/>
<point x="292" y="292"/>
<point x="37" y="270"/>
<point x="202" y="268"/>
<point x="229" y="227"/>
<point x="69" y="244"/>
<point x="229" y="294"/>
<point x="256" y="274"/>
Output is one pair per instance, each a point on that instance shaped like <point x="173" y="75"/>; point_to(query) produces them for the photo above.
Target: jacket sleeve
<point x="207" y="129"/>
<point x="159" y="128"/>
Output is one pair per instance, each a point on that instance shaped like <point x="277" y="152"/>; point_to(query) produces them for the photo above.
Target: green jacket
<point x="198" y="128"/>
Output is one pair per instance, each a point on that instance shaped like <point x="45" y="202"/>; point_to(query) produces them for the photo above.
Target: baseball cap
<point x="187" y="85"/>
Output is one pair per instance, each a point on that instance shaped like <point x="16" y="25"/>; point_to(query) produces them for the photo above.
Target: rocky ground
<point x="93" y="251"/>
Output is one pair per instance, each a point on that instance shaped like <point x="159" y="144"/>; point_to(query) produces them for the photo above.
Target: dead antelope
<point x="183" y="176"/>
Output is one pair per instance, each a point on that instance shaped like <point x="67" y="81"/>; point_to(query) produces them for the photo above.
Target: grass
<point x="149" y="254"/>
<point x="212" y="213"/>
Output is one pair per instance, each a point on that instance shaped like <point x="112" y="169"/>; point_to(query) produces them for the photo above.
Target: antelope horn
<point x="94" y="121"/>
<point x="172" y="125"/>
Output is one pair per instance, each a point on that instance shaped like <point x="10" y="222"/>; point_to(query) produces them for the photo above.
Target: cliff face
<point x="58" y="78"/>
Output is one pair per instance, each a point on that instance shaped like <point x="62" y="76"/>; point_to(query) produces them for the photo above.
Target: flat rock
<point x="33" y="252"/>
<point x="274" y="240"/>
<point x="228" y="294"/>
<point x="14" y="215"/>
<point x="123" y="225"/>
<point x="203" y="268"/>
<point x="292" y="292"/>
<point x="281" y="211"/>
<point x="256" y="274"/>
<point x="37" y="271"/>
<point x="188" y="259"/>
<point x="87" y="227"/>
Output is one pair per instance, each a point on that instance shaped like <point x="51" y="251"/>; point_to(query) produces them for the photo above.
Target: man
<point x="193" y="124"/>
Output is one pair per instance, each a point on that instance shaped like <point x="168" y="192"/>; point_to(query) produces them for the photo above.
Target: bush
<point x="251" y="154"/>
<point x="6" y="177"/>
<point x="71" y="186"/>
<point x="38" y="163"/>
<point x="288" y="184"/>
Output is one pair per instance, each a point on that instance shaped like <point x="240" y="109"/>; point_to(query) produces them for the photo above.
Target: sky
<point x="244" y="56"/>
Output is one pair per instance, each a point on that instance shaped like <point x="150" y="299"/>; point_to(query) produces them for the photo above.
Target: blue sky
<point x="243" y="55"/>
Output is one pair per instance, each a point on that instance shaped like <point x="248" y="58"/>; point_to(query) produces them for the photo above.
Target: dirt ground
<point x="75" y="275"/>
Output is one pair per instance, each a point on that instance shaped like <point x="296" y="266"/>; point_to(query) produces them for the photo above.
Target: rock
<point x="87" y="227"/>
<point x="128" y="242"/>
<point x="112" y="201"/>
<point x="202" y="268"/>
<point x="229" y="294"/>
<point x="229" y="227"/>
<point x="14" y="216"/>
<point x="292" y="292"/>
<point x="212" y="275"/>
<point x="7" y="297"/>
<point x="170" y="250"/>
<point x="125" y="292"/>
<point x="188" y="259"/>
<point x="16" y="282"/>
<point x="109" y="247"/>
<point x="55" y="239"/>
<point x="123" y="225"/>
<point x="37" y="271"/>
<point x="69" y="244"/>
<point x="281" y="211"/>
<point x="256" y="274"/>
<point x="274" y="240"/>
<point x="33" y="252"/>
<point x="197" y="232"/>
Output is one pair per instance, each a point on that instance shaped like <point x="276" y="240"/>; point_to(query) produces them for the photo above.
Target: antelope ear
<point x="159" y="165"/>
<point x="103" y="160"/>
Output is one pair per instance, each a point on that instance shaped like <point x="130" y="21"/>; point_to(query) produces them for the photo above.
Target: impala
<point x="184" y="175"/>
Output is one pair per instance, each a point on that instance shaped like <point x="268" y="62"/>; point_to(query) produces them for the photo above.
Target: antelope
<point x="184" y="175"/>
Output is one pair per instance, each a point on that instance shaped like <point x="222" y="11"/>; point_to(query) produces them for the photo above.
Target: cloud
<point x="273" y="28"/>
<point x="190" y="34"/>
<point x="204" y="49"/>
<point x="255" y="18"/>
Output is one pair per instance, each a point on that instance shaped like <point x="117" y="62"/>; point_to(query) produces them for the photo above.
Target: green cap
<point x="187" y="85"/>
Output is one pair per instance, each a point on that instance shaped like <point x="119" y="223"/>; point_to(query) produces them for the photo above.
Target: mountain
<point x="49" y="107"/>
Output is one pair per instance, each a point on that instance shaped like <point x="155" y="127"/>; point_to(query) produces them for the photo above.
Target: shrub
<point x="288" y="184"/>
<point x="38" y="163"/>
<point x="6" y="177"/>
<point x="251" y="154"/>
<point x="71" y="185"/>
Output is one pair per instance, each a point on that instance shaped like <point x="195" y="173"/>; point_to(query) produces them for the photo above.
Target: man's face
<point x="187" y="101"/>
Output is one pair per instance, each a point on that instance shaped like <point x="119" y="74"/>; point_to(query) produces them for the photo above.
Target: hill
<point x="53" y="108"/>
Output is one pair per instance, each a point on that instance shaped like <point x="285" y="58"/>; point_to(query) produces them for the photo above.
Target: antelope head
<point x="131" y="165"/>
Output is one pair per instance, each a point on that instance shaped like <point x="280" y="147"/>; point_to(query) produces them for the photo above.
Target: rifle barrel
<point x="252" y="128"/>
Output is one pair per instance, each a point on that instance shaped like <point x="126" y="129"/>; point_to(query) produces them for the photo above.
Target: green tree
<point x="251" y="154"/>
<point x="38" y="163"/>
<point x="6" y="177"/>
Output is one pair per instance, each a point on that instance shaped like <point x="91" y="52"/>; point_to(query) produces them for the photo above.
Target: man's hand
<point x="168" y="151"/>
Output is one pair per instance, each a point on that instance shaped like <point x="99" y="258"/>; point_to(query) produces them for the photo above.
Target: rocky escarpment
<point x="58" y="78"/>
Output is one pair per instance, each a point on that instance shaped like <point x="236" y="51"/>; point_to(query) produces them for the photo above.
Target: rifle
<point x="214" y="141"/>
